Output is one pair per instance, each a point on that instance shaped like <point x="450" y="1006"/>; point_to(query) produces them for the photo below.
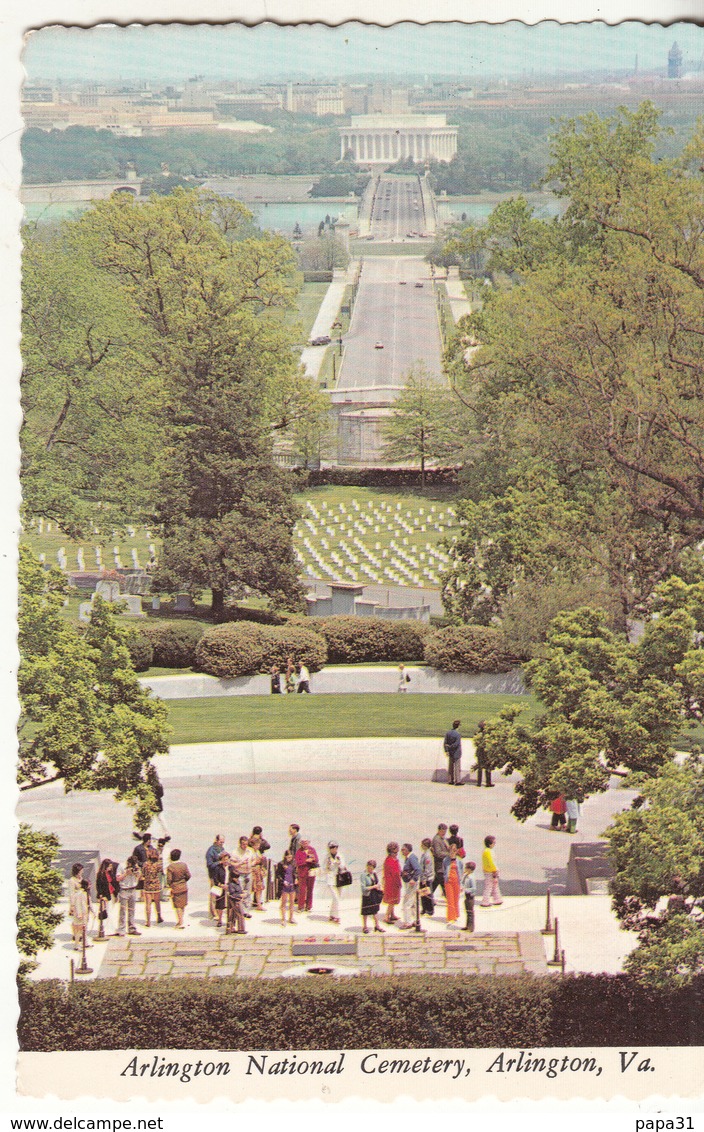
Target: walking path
<point x="312" y="356"/>
<point x="342" y="679"/>
<point x="507" y="940"/>
<point x="457" y="296"/>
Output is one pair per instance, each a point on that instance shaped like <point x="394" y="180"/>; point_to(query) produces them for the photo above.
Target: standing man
<point x="303" y="678"/>
<point x="440" y="850"/>
<point x="410" y="875"/>
<point x="212" y="859"/>
<point x="452" y="744"/>
<point x="427" y="873"/>
<point x="294" y="832"/>
<point x="483" y="764"/>
<point x="492" y="892"/>
<point x="128" y="877"/>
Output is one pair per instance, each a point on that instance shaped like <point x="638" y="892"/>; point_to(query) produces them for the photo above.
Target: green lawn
<point x="307" y="306"/>
<point x="330" y="717"/>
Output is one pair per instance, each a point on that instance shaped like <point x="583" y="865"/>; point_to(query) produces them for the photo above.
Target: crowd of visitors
<point x="287" y="680"/>
<point x="243" y="880"/>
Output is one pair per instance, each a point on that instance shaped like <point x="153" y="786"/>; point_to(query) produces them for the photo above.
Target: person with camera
<point x="128" y="878"/>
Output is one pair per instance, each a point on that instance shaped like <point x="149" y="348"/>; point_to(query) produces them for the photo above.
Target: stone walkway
<point x="447" y="953"/>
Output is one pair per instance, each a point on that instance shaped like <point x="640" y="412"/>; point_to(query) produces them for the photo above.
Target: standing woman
<point x="392" y="882"/>
<point x="151" y="873"/>
<point x="427" y="873"/>
<point x="219" y="889"/>
<point x="372" y="895"/>
<point x="275" y="675"/>
<point x="78" y="906"/>
<point x="258" y="871"/>
<point x="106" y="886"/>
<point x="290" y="676"/>
<point x="331" y="867"/>
<point x="177" y="878"/>
<point x="453" y="883"/>
<point x="286" y="886"/>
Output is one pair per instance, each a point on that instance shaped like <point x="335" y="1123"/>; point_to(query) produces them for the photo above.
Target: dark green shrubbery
<point x="469" y="648"/>
<point x="249" y="613"/>
<point x="173" y="643"/>
<point x="243" y="649"/>
<point x="140" y="649"/>
<point x="353" y="640"/>
<point x="365" y="1012"/>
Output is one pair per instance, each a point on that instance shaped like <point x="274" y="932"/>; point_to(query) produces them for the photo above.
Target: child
<point x="286" y="884"/>
<point x="469" y="885"/>
<point x="235" y="898"/>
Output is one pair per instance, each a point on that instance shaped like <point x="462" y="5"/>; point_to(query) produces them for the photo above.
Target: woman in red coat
<point x="392" y="882"/>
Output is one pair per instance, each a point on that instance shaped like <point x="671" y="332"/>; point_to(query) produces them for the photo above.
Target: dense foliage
<point x="84" y="717"/>
<point x="243" y="649"/>
<point x="39" y="887"/>
<point x="401" y="1012"/>
<point x="469" y="648"/>
<point x="354" y="640"/>
<point x="173" y="644"/>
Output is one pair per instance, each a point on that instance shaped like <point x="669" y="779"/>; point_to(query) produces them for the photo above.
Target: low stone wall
<point x="331" y="681"/>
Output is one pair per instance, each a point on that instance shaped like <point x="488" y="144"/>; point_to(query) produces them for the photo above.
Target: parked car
<point x="321" y="340"/>
<point x="419" y="284"/>
<point x="378" y="345"/>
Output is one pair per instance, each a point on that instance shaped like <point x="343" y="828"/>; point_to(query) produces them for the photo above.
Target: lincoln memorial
<point x="379" y="139"/>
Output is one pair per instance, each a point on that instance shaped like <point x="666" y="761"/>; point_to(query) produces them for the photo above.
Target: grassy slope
<point x="330" y="716"/>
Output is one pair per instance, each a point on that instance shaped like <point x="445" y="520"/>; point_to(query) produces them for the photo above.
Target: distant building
<point x="674" y="62"/>
<point x="377" y="139"/>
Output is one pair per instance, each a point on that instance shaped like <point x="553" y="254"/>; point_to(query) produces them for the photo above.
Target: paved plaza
<point x="312" y="782"/>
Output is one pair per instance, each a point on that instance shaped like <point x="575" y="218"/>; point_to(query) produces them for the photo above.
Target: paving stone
<point x="222" y="971"/>
<point x="108" y="970"/>
<point x="381" y="967"/>
<point x="158" y="968"/>
<point x="531" y="946"/>
<point x="131" y="968"/>
<point x="370" y="946"/>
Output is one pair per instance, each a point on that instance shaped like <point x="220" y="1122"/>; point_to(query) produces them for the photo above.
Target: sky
<point x="268" y="52"/>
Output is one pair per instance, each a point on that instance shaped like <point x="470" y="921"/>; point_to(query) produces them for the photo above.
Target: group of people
<point x="288" y="680"/>
<point x="452" y="745"/>
<point x="144" y="873"/>
<point x="240" y="881"/>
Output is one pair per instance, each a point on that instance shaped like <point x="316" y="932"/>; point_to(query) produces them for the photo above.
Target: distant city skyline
<point x="269" y="53"/>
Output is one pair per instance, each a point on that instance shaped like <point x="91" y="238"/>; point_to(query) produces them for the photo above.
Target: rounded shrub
<point x="354" y="640"/>
<point x="173" y="644"/>
<point x="243" y="648"/>
<point x="469" y="648"/>
<point x="141" y="651"/>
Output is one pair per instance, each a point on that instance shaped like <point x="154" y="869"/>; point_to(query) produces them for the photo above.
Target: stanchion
<point x="102" y="907"/>
<point x="548" y="929"/>
<point x="416" y="925"/>
<point x="556" y="960"/>
<point x="270" y="886"/>
<point x="84" y="969"/>
<point x="562" y="961"/>
<point x="73" y="971"/>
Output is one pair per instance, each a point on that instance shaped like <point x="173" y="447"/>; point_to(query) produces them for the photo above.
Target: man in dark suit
<point x="452" y="744"/>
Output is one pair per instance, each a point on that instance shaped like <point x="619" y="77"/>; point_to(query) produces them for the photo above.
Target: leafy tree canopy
<point x="39" y="887"/>
<point x="84" y="716"/>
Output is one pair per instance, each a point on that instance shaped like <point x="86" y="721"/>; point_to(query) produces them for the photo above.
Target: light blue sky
<point x="266" y="51"/>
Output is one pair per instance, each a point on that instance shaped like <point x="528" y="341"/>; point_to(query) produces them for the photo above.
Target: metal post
<point x="556" y="960"/>
<point x="73" y="971"/>
<point x="548" y="929"/>
<point x="416" y="925"/>
<point x="84" y="969"/>
<point x="562" y="961"/>
<point x="102" y="907"/>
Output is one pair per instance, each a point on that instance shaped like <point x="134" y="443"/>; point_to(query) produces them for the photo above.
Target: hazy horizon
<point x="269" y="52"/>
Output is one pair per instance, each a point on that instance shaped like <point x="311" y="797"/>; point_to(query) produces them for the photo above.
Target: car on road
<point x="402" y="282"/>
<point x="321" y="340"/>
<point x="378" y="345"/>
<point x="419" y="284"/>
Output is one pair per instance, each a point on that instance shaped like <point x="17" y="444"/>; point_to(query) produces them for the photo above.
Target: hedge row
<point x="395" y="478"/>
<point x="364" y="1012"/>
<point x="469" y="648"/>
<point x="243" y="649"/>
<point x="165" y="644"/>
<point x="353" y="640"/>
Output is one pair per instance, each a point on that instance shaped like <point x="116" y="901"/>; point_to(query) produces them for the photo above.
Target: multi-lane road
<point x="394" y="324"/>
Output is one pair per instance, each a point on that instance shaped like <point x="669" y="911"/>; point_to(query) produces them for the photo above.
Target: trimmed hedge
<point x="469" y="648"/>
<point x="243" y="649"/>
<point x="141" y="650"/>
<point x="395" y="478"/>
<point x="249" y="613"/>
<point x="352" y="640"/>
<point x="365" y="1012"/>
<point x="173" y="644"/>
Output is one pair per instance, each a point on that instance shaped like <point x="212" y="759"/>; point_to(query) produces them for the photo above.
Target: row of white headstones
<point x="350" y="559"/>
<point x="82" y="556"/>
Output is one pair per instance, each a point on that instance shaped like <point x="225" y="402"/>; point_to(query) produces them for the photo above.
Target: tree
<point x="85" y="718"/>
<point x="589" y="367"/>
<point x="39" y="887"/>
<point x="657" y="849"/>
<point x="210" y="297"/>
<point x="323" y="253"/>
<point x="422" y="424"/>
<point x="605" y="710"/>
<point x="90" y="404"/>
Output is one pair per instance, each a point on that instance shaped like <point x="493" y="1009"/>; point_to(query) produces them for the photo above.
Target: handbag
<point x="217" y="890"/>
<point x="344" y="877"/>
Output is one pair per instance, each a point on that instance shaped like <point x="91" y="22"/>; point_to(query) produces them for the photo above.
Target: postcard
<point x="361" y="450"/>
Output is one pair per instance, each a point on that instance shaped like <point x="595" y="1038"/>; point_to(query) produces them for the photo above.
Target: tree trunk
<point x="217" y="607"/>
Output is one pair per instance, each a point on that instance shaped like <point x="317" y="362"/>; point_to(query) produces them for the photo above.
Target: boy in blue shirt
<point x="469" y="886"/>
